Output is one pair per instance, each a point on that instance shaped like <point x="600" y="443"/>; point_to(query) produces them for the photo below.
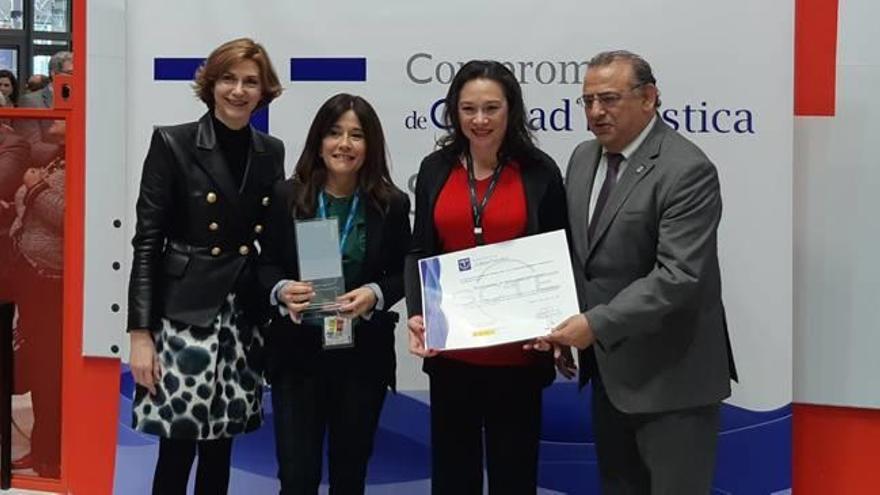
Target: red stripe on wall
<point x="91" y="394"/>
<point x="815" y="57"/>
<point x="836" y="450"/>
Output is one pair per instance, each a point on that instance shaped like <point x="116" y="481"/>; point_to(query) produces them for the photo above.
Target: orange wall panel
<point x="90" y="386"/>
<point x="836" y="450"/>
<point x="815" y="57"/>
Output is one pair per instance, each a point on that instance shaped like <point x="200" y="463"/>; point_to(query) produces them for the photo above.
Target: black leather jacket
<point x="195" y="236"/>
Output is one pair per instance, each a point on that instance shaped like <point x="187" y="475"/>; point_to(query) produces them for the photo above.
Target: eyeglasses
<point x="606" y="100"/>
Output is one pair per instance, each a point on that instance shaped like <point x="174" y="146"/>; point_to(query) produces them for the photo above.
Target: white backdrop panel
<point x="107" y="202"/>
<point x="724" y="70"/>
<point x="836" y="267"/>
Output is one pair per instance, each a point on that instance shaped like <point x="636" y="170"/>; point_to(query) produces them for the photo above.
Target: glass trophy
<point x="320" y="263"/>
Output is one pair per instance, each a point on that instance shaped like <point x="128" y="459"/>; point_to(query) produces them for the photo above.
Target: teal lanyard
<point x="322" y="212"/>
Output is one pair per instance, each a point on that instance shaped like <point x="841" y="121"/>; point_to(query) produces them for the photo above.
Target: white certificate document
<point x="497" y="293"/>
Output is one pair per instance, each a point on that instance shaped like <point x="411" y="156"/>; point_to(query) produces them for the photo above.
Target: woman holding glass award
<point x="194" y="307"/>
<point x="487" y="183"/>
<point x="332" y="352"/>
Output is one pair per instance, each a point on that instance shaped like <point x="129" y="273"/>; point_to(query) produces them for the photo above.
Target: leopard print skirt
<point x="211" y="384"/>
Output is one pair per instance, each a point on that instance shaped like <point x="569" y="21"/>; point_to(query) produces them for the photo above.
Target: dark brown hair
<point x="518" y="141"/>
<point x="642" y="73"/>
<point x="374" y="178"/>
<point x="13" y="97"/>
<point x="224" y="57"/>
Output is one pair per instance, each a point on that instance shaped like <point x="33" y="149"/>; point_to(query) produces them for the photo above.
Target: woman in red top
<point x="489" y="148"/>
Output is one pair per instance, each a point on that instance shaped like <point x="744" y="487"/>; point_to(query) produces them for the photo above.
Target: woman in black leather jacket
<point x="194" y="307"/>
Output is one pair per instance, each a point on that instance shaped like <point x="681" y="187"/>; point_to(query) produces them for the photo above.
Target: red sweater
<point x="504" y="218"/>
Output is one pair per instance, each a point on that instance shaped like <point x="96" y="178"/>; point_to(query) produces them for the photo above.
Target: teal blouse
<point x="355" y="249"/>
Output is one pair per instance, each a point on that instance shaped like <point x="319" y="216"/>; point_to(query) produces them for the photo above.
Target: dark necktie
<point x="613" y="160"/>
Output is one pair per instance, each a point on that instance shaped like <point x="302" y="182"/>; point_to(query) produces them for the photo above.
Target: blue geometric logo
<point x="334" y="69"/>
<point x="327" y="69"/>
<point x="464" y="264"/>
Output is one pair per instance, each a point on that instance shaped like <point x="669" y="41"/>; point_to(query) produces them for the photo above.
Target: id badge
<point x="337" y="332"/>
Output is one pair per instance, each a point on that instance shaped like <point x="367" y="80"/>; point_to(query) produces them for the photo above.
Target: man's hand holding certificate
<point x="497" y="293"/>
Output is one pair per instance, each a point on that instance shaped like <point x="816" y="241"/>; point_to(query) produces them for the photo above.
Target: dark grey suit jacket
<point x="43" y="148"/>
<point x="649" y="283"/>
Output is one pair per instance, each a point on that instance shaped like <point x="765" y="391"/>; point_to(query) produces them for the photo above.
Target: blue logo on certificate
<point x="464" y="264"/>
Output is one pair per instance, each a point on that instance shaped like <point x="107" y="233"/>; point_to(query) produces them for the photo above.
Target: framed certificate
<point x="497" y="293"/>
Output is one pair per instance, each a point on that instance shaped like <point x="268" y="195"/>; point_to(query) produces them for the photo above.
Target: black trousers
<point x="340" y="400"/>
<point x="176" y="460"/>
<point x="668" y="453"/>
<point x="472" y="405"/>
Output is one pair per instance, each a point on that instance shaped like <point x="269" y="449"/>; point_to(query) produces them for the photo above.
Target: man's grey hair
<point x="56" y="63"/>
<point x="641" y="68"/>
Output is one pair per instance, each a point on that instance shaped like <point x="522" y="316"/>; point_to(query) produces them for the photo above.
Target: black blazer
<point x="298" y="348"/>
<point x="195" y="237"/>
<point x="545" y="208"/>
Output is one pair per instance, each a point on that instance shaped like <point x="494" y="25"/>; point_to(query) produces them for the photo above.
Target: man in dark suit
<point x="44" y="145"/>
<point x="644" y="207"/>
